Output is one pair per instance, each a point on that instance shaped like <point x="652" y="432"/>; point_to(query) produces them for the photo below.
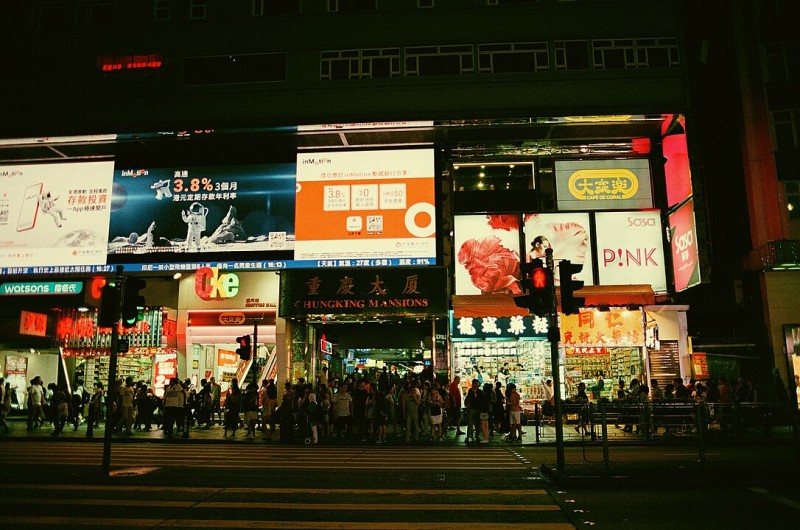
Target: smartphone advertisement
<point x="55" y="214"/>
<point x="366" y="205"/>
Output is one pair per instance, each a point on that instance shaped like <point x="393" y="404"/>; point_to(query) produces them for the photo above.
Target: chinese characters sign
<point x="683" y="240"/>
<point x="33" y="324"/>
<point x="365" y="205"/>
<point x="603" y="184"/>
<point x="499" y="327"/>
<point x="363" y="292"/>
<point x="594" y="328"/>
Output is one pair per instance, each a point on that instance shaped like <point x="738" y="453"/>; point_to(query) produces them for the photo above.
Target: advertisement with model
<point x="54" y="214"/>
<point x="195" y="213"/>
<point x="373" y="206"/>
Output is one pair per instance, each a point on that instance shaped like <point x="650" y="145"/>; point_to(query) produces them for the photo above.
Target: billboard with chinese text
<point x="603" y="184"/>
<point x="189" y="213"/>
<point x="366" y="205"/>
<point x="54" y="214"/>
<point x="683" y="242"/>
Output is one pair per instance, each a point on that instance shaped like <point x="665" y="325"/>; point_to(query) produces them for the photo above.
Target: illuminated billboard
<point x="54" y="214"/>
<point x="568" y="234"/>
<point x="195" y="213"/>
<point x="487" y="252"/>
<point x="603" y="184"/>
<point x="630" y="249"/>
<point x="366" y="208"/>
<point x="683" y="242"/>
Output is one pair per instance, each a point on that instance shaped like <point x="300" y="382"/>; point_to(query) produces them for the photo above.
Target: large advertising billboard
<point x="366" y="207"/>
<point x="630" y="249"/>
<point x="683" y="241"/>
<point x="487" y="252"/>
<point x="603" y="184"/>
<point x="568" y="234"/>
<point x="192" y="213"/>
<point x="54" y="214"/>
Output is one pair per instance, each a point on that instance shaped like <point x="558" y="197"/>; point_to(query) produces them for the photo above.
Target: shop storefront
<point x="365" y="319"/>
<point x="215" y="307"/>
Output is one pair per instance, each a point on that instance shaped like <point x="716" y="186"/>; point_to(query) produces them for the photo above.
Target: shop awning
<point x="617" y="295"/>
<point x="502" y="305"/>
<point x="486" y="305"/>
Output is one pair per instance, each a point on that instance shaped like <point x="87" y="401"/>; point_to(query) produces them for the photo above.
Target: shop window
<point x="439" y="60"/>
<point x="792" y="190"/>
<point x="572" y="54"/>
<point x="784" y="123"/>
<point x="197" y="10"/>
<point x="346" y="6"/>
<point x="356" y="64"/>
<point x="488" y="177"/>
<point x="49" y="15"/>
<point x="513" y="57"/>
<point x="233" y="69"/>
<point x="96" y="13"/>
<point x="162" y="10"/>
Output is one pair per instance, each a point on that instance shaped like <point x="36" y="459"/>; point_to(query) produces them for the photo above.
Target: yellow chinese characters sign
<point x="592" y="327"/>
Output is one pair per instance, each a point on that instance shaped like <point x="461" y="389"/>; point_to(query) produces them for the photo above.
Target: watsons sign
<point x="40" y="288"/>
<point x="603" y="184"/>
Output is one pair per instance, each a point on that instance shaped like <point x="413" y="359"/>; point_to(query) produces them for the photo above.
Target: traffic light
<point x="132" y="300"/>
<point x="108" y="315"/>
<point x="244" y="351"/>
<point x="538" y="283"/>
<point x="566" y="273"/>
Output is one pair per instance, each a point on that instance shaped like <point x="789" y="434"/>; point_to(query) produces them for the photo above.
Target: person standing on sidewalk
<point x="250" y="408"/>
<point x="473" y="403"/>
<point x="233" y="402"/>
<point x="174" y="401"/>
<point x="95" y="408"/>
<point x="343" y="410"/>
<point x="454" y="404"/>
<point x="216" y="394"/>
<point x="5" y="403"/>
<point x="411" y="402"/>
<point x="126" y="405"/>
<point x="514" y="414"/>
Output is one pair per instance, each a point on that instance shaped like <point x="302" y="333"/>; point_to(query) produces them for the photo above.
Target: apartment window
<point x="572" y="54"/>
<point x="49" y="15"/>
<point x="784" y="123"/>
<point x="234" y="69"/>
<point x="613" y="54"/>
<point x="197" y="9"/>
<point x="425" y="3"/>
<point x="439" y="60"/>
<point x="257" y="8"/>
<point x="357" y="64"/>
<point x="657" y="53"/>
<point x="513" y="57"/>
<point x="792" y="190"/>
<point x="345" y="6"/>
<point x="776" y="67"/>
<point x="162" y="10"/>
<point x="95" y="13"/>
<point x="510" y="2"/>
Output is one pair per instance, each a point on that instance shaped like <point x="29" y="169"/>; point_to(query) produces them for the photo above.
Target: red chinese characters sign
<point x="592" y="327"/>
<point x="33" y="324"/>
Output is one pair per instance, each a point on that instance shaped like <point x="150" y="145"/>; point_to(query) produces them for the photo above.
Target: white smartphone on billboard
<point x="30" y="207"/>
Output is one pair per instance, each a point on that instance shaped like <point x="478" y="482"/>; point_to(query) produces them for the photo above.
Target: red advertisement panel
<point x="683" y="241"/>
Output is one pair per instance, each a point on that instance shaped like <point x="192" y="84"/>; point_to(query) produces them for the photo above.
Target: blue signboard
<point x="494" y="328"/>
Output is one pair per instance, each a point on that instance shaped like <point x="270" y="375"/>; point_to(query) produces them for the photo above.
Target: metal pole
<point x="254" y="353"/>
<point x="554" y="336"/>
<point x="112" y="376"/>
<point x="604" y="426"/>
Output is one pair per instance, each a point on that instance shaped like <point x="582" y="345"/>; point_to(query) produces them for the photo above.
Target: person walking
<point x="454" y="404"/>
<point x="473" y="403"/>
<point x="250" y="409"/>
<point x="95" y="409"/>
<point x="514" y="414"/>
<point x="216" y="395"/>
<point x="343" y="411"/>
<point x="5" y="403"/>
<point x="126" y="397"/>
<point x="411" y="404"/>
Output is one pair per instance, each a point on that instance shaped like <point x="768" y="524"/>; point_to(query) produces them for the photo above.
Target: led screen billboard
<point x="366" y="208"/>
<point x="54" y="214"/>
<point x="487" y="254"/>
<point x="568" y="234"/>
<point x="630" y="249"/>
<point x="195" y="213"/>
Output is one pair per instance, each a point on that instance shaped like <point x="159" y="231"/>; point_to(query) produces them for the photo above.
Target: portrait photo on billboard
<point x="54" y="214"/>
<point x="179" y="214"/>
<point x="568" y="234"/>
<point x="366" y="205"/>
<point x="630" y="249"/>
<point x="487" y="252"/>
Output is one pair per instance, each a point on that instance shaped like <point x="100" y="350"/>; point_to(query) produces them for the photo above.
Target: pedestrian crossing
<point x="263" y="457"/>
<point x="72" y="506"/>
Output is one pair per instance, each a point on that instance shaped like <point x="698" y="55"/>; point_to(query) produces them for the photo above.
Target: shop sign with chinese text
<point x="603" y="184"/>
<point x="515" y="327"/>
<point x="595" y="328"/>
<point x="364" y="292"/>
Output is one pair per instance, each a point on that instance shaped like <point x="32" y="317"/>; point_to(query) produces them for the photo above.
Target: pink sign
<point x="683" y="240"/>
<point x="165" y="368"/>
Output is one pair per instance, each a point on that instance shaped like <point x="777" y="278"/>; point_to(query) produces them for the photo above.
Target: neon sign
<point x="210" y="284"/>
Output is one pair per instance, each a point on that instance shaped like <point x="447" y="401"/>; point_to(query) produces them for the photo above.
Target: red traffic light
<point x="539" y="279"/>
